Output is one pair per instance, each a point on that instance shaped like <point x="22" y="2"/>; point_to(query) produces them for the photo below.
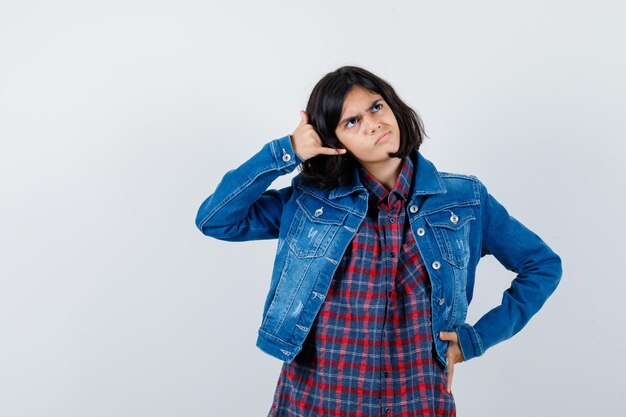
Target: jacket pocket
<point x="313" y="227"/>
<point x="451" y="228"/>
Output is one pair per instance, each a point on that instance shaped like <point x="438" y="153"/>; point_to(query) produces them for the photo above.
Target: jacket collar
<point x="427" y="180"/>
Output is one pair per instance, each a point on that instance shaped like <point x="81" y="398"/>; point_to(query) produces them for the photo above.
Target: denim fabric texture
<point x="455" y="222"/>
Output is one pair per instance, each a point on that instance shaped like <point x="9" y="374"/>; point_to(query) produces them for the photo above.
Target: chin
<point x="394" y="148"/>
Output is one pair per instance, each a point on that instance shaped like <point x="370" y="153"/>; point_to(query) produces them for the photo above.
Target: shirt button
<point x="386" y="374"/>
<point x="390" y="293"/>
<point x="441" y="301"/>
<point x="387" y="410"/>
<point x="286" y="157"/>
<point x="413" y="208"/>
<point x="392" y="220"/>
<point x="436" y="265"/>
<point x="421" y="232"/>
<point x="392" y="255"/>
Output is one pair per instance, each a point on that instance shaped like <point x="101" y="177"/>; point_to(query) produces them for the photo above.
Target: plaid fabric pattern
<point x="370" y="351"/>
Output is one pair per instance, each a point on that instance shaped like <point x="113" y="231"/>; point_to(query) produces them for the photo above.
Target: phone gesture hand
<point x="307" y="143"/>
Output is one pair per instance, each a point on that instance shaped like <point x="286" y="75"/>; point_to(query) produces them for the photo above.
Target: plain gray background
<point x="118" y="118"/>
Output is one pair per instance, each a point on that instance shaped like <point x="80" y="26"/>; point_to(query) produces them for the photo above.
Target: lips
<point x="381" y="138"/>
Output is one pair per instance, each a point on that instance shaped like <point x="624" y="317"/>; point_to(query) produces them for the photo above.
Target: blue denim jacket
<point x="455" y="222"/>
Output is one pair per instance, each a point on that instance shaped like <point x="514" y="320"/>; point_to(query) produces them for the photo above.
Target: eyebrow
<point x="368" y="109"/>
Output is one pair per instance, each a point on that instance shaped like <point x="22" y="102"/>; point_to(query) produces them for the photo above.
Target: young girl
<point x="376" y="259"/>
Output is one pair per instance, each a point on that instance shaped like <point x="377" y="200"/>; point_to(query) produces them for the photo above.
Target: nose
<point x="372" y="124"/>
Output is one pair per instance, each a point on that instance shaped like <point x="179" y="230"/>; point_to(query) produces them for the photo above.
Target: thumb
<point x="449" y="336"/>
<point x="304" y="119"/>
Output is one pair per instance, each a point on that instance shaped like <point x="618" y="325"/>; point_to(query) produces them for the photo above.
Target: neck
<point x="385" y="172"/>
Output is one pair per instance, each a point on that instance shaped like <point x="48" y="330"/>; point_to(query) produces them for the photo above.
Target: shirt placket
<point x="390" y="236"/>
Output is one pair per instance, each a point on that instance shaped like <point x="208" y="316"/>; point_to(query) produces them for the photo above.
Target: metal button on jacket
<point x="441" y="301"/>
<point x="421" y="232"/>
<point x="318" y="212"/>
<point x="454" y="218"/>
<point x="436" y="265"/>
<point x="413" y="208"/>
<point x="286" y="157"/>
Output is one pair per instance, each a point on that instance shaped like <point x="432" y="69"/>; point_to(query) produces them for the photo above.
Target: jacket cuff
<point x="286" y="157"/>
<point x="469" y="342"/>
<point x="298" y="159"/>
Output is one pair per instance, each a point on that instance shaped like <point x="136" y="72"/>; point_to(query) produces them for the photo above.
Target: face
<point x="368" y="129"/>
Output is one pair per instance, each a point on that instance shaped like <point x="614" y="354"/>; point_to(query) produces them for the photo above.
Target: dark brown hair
<point x="324" y="111"/>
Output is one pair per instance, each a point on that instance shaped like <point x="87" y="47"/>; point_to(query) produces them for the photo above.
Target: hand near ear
<point x="307" y="143"/>
<point x="453" y="354"/>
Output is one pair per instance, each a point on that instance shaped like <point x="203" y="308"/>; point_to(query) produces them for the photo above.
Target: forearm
<point x="241" y="208"/>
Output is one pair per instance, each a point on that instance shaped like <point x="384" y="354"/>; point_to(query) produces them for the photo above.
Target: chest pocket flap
<point x="452" y="218"/>
<point x="317" y="211"/>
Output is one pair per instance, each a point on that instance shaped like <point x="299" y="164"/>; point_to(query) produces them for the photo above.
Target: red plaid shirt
<point x="370" y="351"/>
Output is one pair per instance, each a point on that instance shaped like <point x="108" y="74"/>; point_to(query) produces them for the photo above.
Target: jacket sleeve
<point x="538" y="271"/>
<point x="241" y="208"/>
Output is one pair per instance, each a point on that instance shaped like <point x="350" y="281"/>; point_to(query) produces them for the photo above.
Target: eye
<point x="377" y="107"/>
<point x="350" y="123"/>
